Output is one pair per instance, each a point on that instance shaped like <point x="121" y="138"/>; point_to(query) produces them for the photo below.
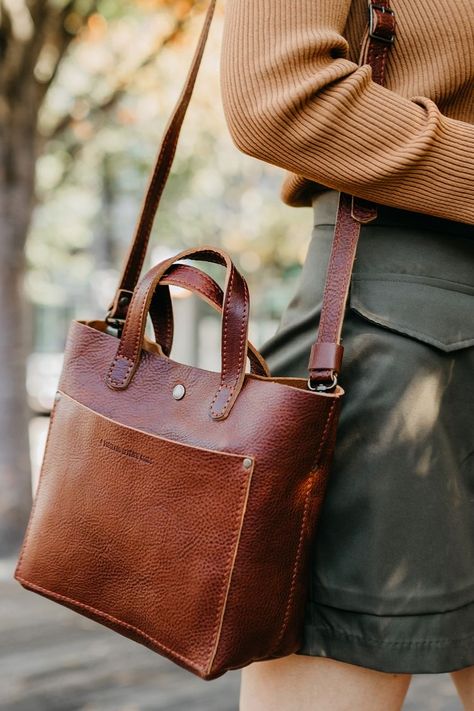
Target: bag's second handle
<point x="235" y="320"/>
<point x="198" y="282"/>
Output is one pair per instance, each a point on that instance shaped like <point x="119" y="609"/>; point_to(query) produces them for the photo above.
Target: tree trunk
<point x="17" y="169"/>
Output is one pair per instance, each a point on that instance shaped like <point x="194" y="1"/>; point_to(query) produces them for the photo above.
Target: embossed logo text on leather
<point x="127" y="452"/>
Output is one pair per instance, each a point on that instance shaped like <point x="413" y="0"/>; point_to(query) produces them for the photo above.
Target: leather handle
<point x="235" y="318"/>
<point x="200" y="283"/>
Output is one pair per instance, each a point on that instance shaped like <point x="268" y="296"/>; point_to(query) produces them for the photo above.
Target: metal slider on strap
<point x="322" y="387"/>
<point x="381" y="23"/>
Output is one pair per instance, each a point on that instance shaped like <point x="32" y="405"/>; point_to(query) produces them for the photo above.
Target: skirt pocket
<point x="433" y="310"/>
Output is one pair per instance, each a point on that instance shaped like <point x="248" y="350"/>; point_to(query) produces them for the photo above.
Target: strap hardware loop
<point x="381" y="29"/>
<point x="322" y="387"/>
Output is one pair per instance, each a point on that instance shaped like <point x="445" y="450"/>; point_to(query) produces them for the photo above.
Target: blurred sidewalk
<point x="52" y="659"/>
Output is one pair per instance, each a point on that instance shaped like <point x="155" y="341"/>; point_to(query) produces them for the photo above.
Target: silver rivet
<point x="247" y="463"/>
<point x="179" y="391"/>
<point x="57" y="397"/>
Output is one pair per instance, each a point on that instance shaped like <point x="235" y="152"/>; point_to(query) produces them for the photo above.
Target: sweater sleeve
<point x="292" y="98"/>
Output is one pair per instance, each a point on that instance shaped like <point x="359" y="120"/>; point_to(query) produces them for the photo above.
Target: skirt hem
<point x="431" y="643"/>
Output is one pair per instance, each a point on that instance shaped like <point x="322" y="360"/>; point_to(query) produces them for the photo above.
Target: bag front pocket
<point x="436" y="311"/>
<point x="148" y="545"/>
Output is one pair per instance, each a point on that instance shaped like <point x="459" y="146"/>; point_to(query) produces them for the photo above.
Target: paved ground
<point x="52" y="659"/>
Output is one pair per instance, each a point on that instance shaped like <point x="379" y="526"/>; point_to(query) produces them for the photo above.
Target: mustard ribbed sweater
<point x="294" y="96"/>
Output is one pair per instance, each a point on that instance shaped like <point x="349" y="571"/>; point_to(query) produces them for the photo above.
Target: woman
<point x="392" y="583"/>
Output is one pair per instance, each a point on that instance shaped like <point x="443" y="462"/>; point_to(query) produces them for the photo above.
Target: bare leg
<point x="464" y="682"/>
<point x="304" y="683"/>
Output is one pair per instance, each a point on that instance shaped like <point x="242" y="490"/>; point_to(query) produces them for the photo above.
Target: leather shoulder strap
<point x="326" y="354"/>
<point x="136" y="255"/>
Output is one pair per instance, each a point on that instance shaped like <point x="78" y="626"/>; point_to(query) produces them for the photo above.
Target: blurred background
<point x="86" y="87"/>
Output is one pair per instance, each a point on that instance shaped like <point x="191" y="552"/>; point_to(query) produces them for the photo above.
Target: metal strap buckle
<point x="389" y="35"/>
<point x="323" y="387"/>
<point x="114" y="326"/>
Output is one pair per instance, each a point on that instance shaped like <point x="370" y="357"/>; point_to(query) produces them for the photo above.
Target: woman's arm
<point x="292" y="98"/>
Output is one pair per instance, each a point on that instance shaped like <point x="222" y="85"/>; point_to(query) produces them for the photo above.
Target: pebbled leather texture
<point x="147" y="520"/>
<point x="137" y="535"/>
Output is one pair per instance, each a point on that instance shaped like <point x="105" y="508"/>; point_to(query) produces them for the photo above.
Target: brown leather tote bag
<point x="176" y="505"/>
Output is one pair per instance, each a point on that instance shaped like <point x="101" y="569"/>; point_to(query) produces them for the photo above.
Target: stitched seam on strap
<point x="166" y="317"/>
<point x="226" y="319"/>
<point x="217" y="291"/>
<point x="169" y="317"/>
<point x="135" y="345"/>
<point x="112" y="366"/>
<point x="173" y="136"/>
<point x="148" y="221"/>
<point x="140" y="319"/>
<point x="218" y="295"/>
<point x="182" y="282"/>
<point x="377" y="57"/>
<point x="148" y="225"/>
<point x="173" y="131"/>
<point x="241" y="350"/>
<point x="224" y="344"/>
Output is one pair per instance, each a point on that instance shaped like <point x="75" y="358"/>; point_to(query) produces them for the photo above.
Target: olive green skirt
<point x="392" y="577"/>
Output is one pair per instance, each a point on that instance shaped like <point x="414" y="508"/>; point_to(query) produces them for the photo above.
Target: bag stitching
<point x="172" y="134"/>
<point x="224" y="595"/>
<point x="148" y="220"/>
<point x="120" y="354"/>
<point x="309" y="485"/>
<point x="336" y="240"/>
<point x="112" y="366"/>
<point x="182" y="282"/>
<point x="226" y="308"/>
<point x="112" y="619"/>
